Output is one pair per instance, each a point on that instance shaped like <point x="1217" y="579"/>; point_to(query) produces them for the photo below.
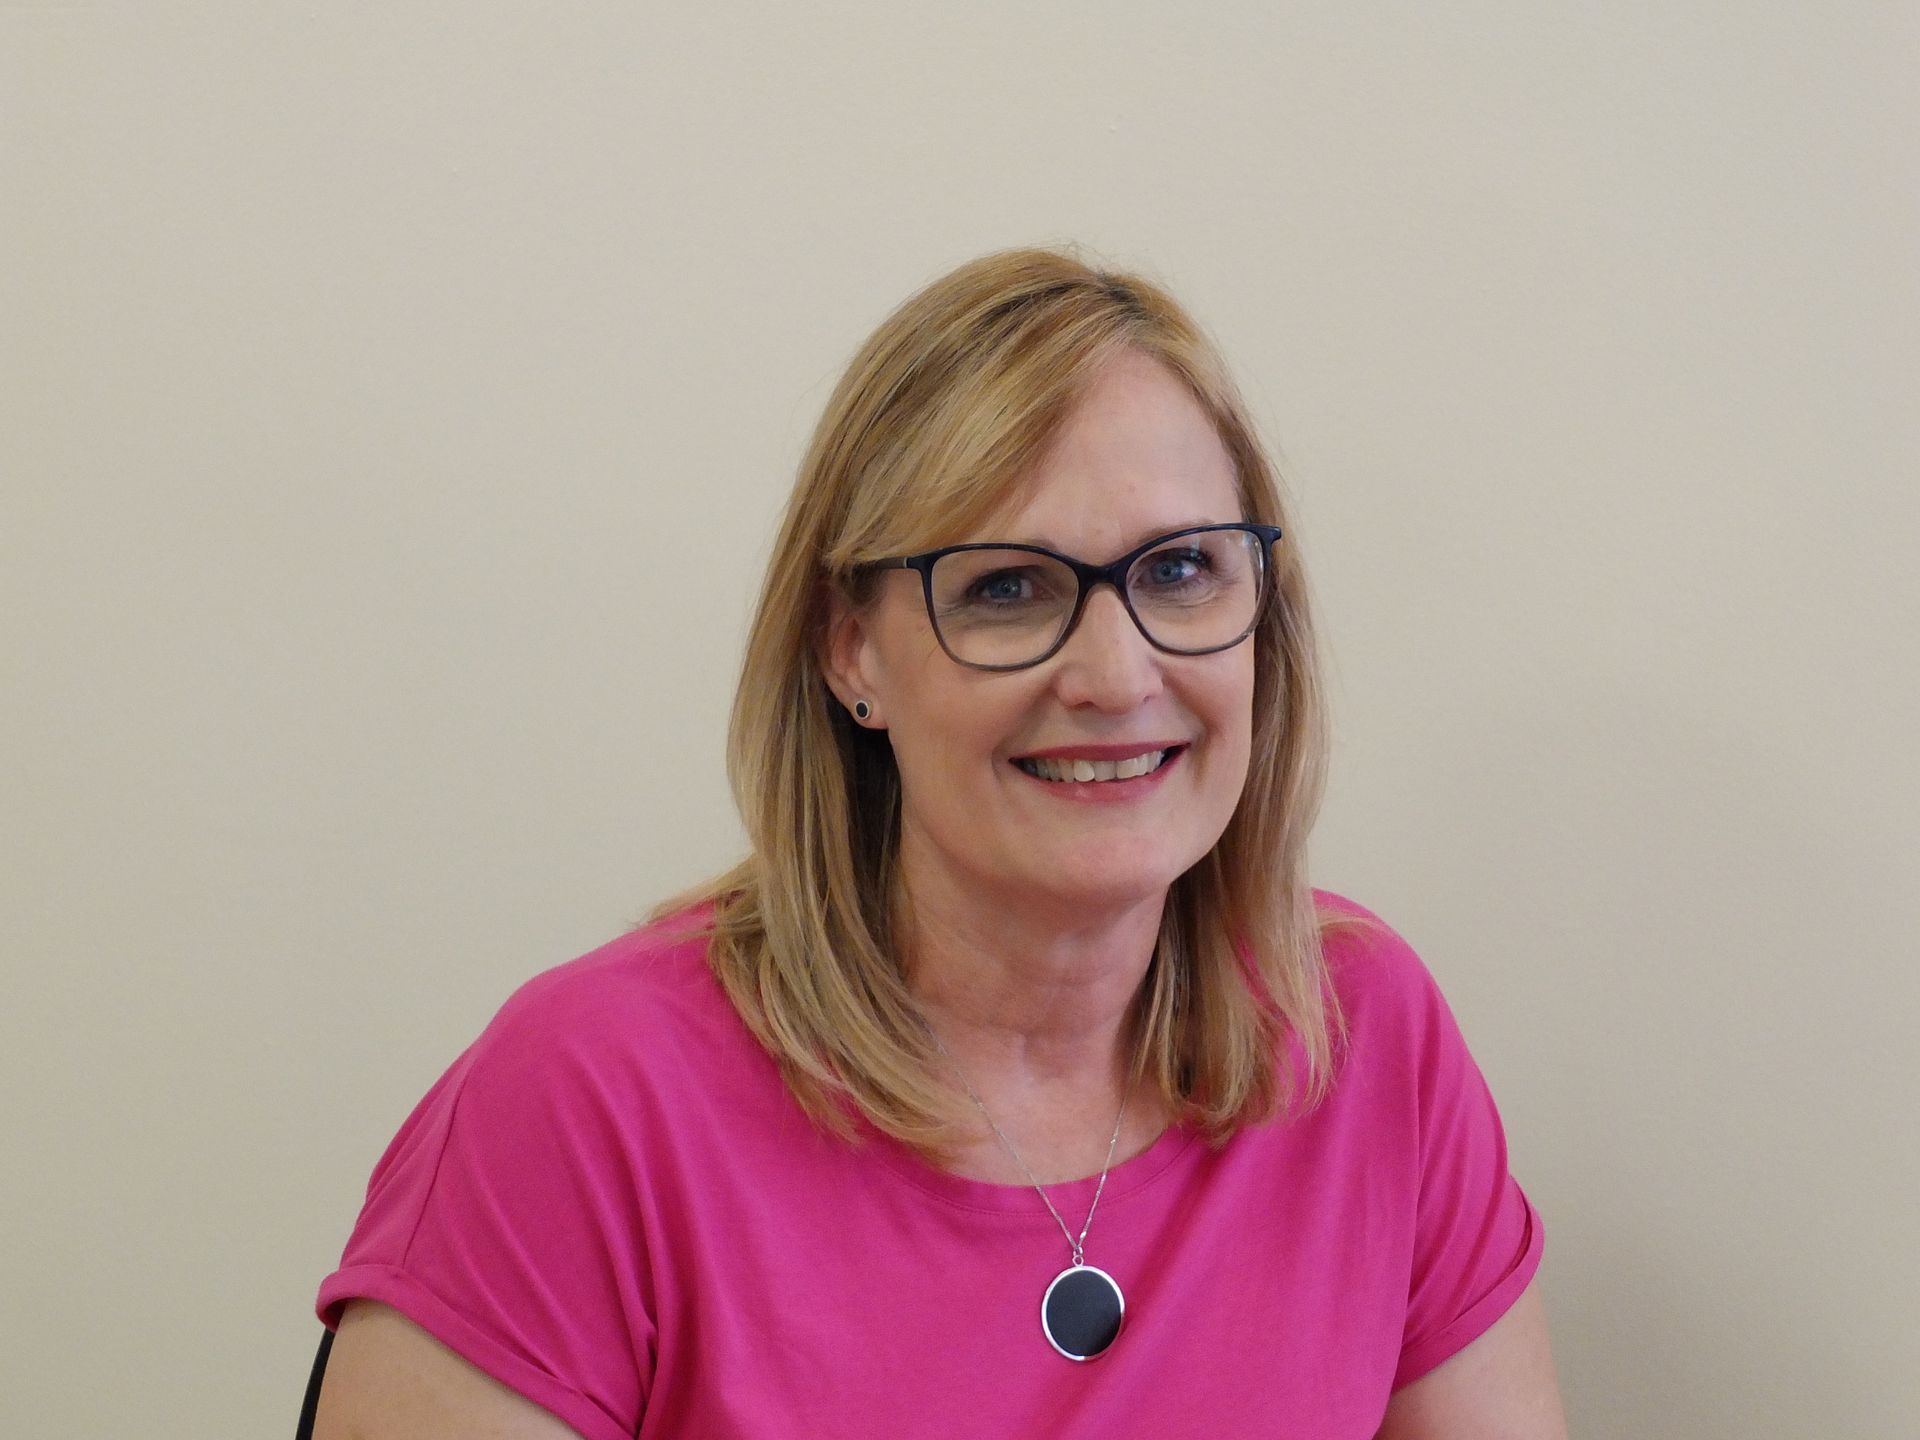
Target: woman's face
<point x="1138" y="457"/>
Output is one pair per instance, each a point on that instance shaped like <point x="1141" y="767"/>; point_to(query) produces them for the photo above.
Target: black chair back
<point x="312" y="1402"/>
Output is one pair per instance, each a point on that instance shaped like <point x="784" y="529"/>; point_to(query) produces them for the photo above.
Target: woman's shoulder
<point x="1378" y="975"/>
<point x="659" y="954"/>
<point x="644" y="1000"/>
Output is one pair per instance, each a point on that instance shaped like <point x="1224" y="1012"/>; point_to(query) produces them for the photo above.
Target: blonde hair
<point x="937" y="421"/>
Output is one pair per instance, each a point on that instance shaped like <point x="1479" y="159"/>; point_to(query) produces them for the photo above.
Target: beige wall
<point x="397" y="403"/>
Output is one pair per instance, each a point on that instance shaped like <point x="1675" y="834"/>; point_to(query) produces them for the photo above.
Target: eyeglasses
<point x="1005" y="607"/>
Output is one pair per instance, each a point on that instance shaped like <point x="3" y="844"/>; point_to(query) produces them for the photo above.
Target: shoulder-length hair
<point x="937" y="421"/>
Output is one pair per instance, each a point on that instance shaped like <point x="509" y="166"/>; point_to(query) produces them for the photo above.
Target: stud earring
<point x="861" y="710"/>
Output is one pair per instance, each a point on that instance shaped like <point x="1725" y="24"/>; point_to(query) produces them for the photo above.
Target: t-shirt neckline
<point x="969" y="1194"/>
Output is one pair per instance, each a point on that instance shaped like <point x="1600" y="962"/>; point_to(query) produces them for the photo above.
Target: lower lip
<point x="1106" y="792"/>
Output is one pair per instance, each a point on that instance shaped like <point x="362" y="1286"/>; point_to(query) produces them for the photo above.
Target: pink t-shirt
<point x="610" y="1203"/>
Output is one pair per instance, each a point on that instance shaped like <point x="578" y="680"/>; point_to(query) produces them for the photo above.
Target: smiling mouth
<point x="1083" y="771"/>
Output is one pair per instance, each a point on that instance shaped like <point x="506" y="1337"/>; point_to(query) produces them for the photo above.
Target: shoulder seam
<point x="426" y="1198"/>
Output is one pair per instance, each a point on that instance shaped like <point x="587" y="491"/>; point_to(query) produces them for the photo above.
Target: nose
<point x="1107" y="662"/>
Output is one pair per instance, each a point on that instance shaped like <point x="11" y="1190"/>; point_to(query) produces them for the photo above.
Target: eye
<point x="1014" y="586"/>
<point x="1173" y="567"/>
<point x="1002" y="586"/>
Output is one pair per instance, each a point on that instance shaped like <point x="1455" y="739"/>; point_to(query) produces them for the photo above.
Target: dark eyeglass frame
<point x="1087" y="576"/>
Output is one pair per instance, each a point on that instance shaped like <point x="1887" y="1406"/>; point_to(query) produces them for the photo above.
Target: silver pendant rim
<point x="1119" y="1296"/>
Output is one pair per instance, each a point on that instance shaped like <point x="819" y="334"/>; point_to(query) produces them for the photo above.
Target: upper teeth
<point x="1084" y="770"/>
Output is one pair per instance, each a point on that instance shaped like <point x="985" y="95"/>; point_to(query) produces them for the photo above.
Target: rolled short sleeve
<point x="500" y="1219"/>
<point x="1478" y="1239"/>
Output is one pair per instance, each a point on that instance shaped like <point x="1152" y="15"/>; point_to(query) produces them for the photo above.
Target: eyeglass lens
<point x="1008" y="607"/>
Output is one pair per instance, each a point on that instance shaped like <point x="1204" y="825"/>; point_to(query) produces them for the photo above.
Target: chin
<point x="1109" y="881"/>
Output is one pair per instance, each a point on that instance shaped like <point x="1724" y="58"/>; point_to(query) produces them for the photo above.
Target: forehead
<point x="1137" y="456"/>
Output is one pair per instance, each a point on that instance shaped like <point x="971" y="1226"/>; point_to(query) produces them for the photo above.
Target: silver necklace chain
<point x="1078" y="1247"/>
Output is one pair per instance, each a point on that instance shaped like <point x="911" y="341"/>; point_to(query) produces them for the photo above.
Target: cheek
<point x="1229" y="701"/>
<point x="947" y="744"/>
<point x="1234" y="726"/>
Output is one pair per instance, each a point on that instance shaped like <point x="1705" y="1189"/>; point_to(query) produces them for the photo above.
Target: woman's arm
<point x="387" y="1379"/>
<point x="1501" y="1387"/>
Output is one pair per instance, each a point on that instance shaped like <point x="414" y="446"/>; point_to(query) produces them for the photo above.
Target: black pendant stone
<point x="1081" y="1312"/>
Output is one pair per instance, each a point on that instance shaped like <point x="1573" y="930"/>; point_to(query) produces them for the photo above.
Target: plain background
<point x="398" y="404"/>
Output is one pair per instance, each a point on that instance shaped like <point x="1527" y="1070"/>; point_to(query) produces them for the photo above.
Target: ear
<point x="847" y="660"/>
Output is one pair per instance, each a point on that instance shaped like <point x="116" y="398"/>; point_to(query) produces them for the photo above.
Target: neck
<point x="1032" y="1005"/>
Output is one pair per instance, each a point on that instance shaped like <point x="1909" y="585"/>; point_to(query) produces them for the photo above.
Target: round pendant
<point x="1081" y="1312"/>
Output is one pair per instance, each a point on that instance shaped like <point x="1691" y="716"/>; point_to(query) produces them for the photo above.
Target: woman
<point x="1017" y="1083"/>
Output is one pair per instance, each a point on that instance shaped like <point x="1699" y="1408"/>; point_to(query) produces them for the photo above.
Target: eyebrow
<point x="1139" y="538"/>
